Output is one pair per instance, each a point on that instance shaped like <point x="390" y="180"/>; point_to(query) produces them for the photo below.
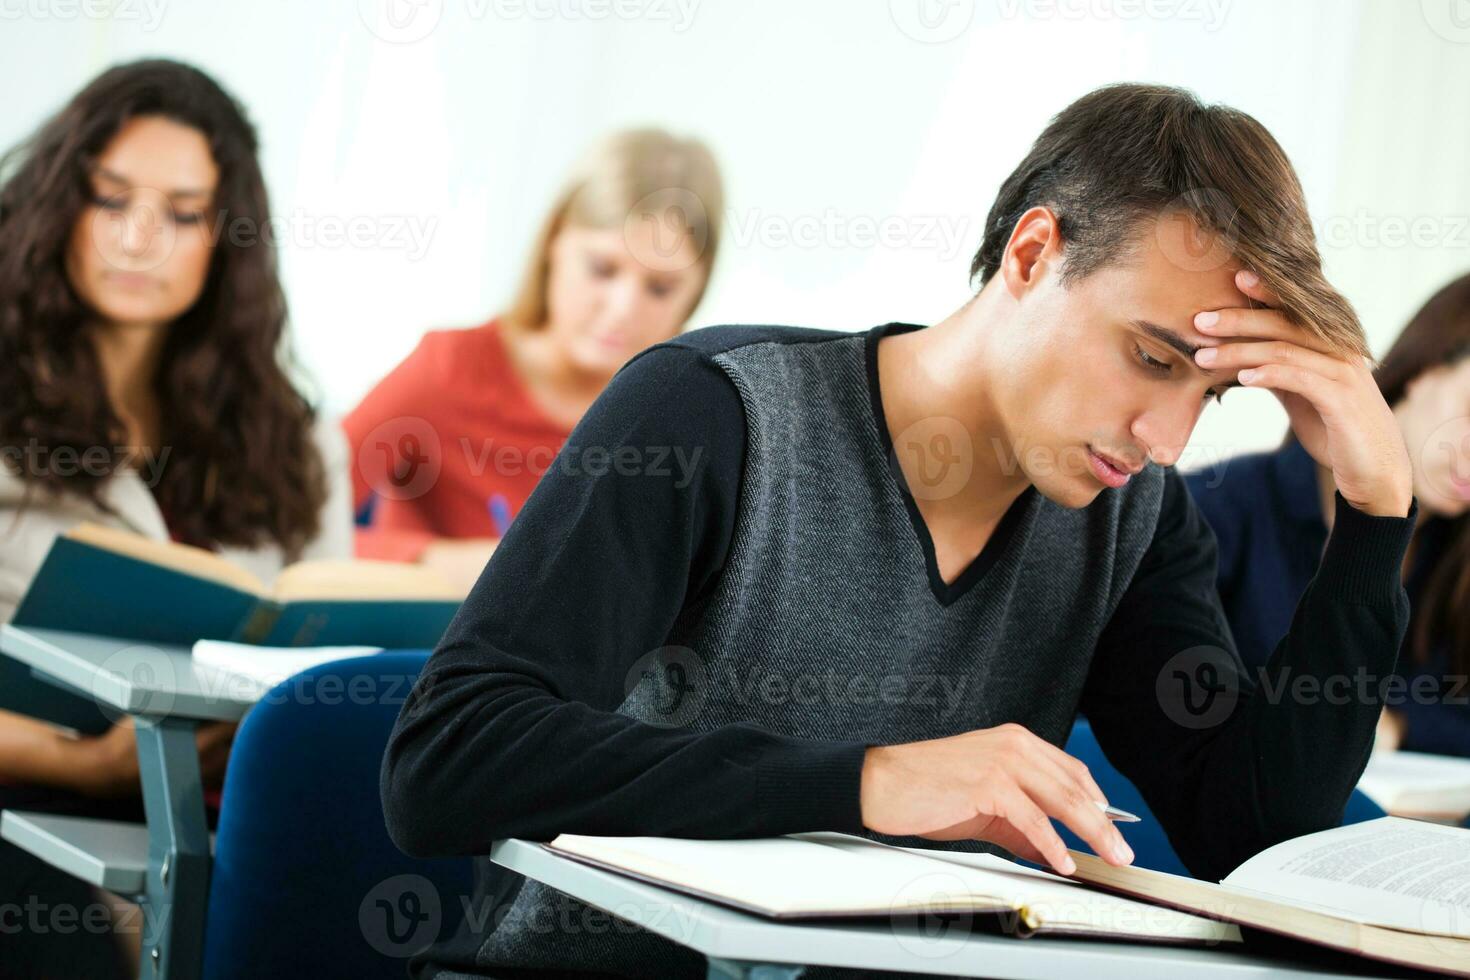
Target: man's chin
<point x="1068" y="490"/>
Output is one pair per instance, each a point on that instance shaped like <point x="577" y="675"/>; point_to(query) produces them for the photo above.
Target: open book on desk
<point x="1390" y="889"/>
<point x="823" y="875"/>
<point x="1419" y="785"/>
<point x="108" y="582"/>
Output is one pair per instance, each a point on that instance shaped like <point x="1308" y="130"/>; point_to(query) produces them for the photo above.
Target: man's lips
<point x="1109" y="470"/>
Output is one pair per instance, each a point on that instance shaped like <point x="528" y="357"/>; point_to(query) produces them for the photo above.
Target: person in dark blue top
<point x="1271" y="513"/>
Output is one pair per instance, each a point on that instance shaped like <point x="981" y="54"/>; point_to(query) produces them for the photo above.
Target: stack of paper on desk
<point x="268" y="666"/>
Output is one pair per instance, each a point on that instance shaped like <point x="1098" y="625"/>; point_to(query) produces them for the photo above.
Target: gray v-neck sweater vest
<point x="827" y="622"/>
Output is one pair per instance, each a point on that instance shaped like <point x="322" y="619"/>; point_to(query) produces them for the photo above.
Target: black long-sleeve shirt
<point x="512" y="731"/>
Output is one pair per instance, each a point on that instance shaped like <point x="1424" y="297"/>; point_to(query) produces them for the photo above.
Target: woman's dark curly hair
<point x="242" y="468"/>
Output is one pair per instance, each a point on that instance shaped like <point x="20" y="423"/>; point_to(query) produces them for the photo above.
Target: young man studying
<point x="789" y="580"/>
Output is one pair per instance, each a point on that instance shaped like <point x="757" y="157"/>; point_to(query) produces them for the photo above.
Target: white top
<point x="26" y="535"/>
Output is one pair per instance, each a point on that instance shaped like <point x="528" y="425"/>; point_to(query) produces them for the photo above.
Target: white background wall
<point x="440" y="140"/>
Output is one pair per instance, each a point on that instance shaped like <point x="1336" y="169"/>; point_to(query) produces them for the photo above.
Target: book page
<point x="786" y="875"/>
<point x="830" y="873"/>
<point x="361" y="579"/>
<point x="1054" y="902"/>
<point x="1416" y="784"/>
<point x="1402" y="874"/>
<point x="265" y="667"/>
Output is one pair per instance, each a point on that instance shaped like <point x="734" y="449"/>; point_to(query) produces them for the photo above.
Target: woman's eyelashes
<point x="606" y="269"/>
<point x="1164" y="369"/>
<point x="119" y="203"/>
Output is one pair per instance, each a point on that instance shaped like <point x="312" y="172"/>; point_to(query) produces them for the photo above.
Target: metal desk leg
<point x="178" y="850"/>
<point x="743" y="970"/>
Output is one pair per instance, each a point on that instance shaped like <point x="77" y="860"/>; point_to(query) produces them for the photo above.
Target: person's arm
<point x="103" y="766"/>
<point x="31" y="751"/>
<point x="1233" y="772"/>
<point x="1436" y="718"/>
<point x="511" y="730"/>
<point x="402" y="394"/>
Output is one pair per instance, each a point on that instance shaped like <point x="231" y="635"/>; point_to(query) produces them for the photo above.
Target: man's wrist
<point x="1390" y="502"/>
<point x="1364" y="556"/>
<point x="1395" y="506"/>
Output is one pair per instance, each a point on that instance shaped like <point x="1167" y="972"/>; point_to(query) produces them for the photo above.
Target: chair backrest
<point x="306" y="881"/>
<point x="1151" y="847"/>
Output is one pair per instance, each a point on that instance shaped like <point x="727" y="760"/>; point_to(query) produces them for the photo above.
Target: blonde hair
<point x="635" y="171"/>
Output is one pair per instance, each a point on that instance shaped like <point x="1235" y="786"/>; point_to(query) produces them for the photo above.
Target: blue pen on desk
<point x="499" y="513"/>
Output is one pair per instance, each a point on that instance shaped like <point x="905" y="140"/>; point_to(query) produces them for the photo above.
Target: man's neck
<point x="943" y="372"/>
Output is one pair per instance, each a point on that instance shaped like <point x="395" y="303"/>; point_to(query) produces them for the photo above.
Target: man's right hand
<point x="1001" y="785"/>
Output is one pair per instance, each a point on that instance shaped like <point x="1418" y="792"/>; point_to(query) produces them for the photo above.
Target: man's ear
<point x="1034" y="249"/>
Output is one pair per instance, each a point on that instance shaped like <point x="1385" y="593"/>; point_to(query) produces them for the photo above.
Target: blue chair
<point x="1151" y="847"/>
<point x="306" y="881"/>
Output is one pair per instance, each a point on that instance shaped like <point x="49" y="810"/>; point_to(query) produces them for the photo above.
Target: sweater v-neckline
<point x="945" y="593"/>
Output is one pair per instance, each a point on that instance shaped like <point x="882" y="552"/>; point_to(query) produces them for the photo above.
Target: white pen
<point x="1113" y="813"/>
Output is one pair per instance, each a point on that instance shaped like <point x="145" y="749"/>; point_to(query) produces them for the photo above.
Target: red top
<point x="449" y="442"/>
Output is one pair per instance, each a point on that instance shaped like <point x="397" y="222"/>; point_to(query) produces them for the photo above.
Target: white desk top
<point x="728" y="934"/>
<point x="131" y="677"/>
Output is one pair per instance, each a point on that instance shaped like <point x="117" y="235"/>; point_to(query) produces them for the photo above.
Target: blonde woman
<point x="450" y="444"/>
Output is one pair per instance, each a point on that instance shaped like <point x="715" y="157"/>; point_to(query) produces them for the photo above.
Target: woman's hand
<point x="459" y="560"/>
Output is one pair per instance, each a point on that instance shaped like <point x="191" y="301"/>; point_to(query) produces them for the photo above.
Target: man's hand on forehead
<point x="1334" y="404"/>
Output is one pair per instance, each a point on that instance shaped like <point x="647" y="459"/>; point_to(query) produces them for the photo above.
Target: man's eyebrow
<point x="1166" y="336"/>
<point x="118" y="178"/>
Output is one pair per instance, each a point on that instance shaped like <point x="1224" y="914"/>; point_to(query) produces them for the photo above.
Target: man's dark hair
<point x="1118" y="159"/>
